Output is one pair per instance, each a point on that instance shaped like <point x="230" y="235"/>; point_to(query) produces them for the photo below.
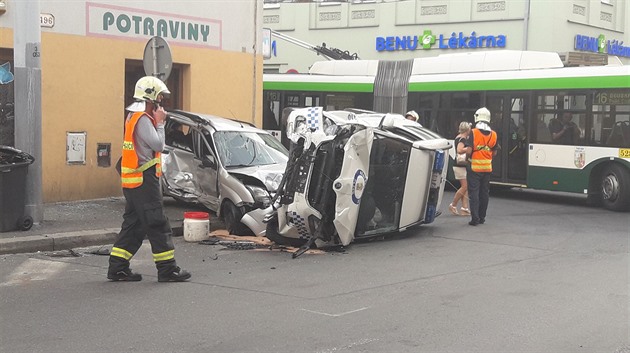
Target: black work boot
<point x="176" y="275"/>
<point x="124" y="275"/>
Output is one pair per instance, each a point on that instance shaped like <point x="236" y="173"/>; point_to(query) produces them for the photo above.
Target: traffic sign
<point x="157" y="58"/>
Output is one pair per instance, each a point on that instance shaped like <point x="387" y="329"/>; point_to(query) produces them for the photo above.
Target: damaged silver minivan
<point x="347" y="179"/>
<point x="230" y="167"/>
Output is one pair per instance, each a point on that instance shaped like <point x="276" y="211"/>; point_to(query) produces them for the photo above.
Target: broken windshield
<point x="244" y="149"/>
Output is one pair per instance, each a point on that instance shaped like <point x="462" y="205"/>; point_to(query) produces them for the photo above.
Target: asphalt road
<point x="544" y="274"/>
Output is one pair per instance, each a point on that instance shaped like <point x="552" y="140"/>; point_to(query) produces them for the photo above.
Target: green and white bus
<point x="523" y="90"/>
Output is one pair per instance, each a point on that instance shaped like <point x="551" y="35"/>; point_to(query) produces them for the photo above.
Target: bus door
<point x="509" y="119"/>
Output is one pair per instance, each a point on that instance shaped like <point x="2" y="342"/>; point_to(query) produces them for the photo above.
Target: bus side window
<point x="619" y="135"/>
<point x="542" y="132"/>
<point x="541" y="129"/>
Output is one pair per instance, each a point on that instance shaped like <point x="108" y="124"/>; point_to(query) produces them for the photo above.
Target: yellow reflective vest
<point x="482" y="151"/>
<point x="130" y="171"/>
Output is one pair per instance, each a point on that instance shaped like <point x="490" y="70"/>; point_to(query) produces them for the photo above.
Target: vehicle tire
<point x="615" y="188"/>
<point x="231" y="217"/>
<point x="25" y="223"/>
<point x="272" y="234"/>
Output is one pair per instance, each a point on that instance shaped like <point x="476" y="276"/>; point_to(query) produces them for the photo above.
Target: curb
<point x="58" y="241"/>
<point x="68" y="240"/>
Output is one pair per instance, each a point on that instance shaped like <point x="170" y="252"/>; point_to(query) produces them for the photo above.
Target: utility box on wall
<point x="103" y="154"/>
<point x="75" y="147"/>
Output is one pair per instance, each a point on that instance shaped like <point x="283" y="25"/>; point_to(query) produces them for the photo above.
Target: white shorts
<point x="460" y="172"/>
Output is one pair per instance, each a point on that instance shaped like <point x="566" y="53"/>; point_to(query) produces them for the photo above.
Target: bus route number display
<point x="624" y="153"/>
<point x="611" y="98"/>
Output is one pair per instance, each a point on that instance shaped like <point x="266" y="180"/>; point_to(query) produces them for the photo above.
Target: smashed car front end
<point x="350" y="180"/>
<point x="324" y="186"/>
<point x="324" y="180"/>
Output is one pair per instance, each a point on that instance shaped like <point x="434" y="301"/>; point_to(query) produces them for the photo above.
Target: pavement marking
<point x="335" y="315"/>
<point x="33" y="270"/>
<point x="350" y="346"/>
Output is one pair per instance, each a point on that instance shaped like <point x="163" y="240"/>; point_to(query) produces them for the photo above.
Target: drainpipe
<point x="27" y="51"/>
<point x="254" y="90"/>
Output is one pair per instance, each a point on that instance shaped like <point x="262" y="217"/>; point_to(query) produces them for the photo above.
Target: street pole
<point x="28" y="102"/>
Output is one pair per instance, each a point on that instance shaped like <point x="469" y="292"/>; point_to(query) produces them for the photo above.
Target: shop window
<point x="7" y="101"/>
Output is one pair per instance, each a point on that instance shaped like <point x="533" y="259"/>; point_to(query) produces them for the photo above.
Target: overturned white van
<point x="347" y="179"/>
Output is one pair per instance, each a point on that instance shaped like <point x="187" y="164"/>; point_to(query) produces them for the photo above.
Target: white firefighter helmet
<point x="147" y="89"/>
<point x="413" y="114"/>
<point x="482" y="114"/>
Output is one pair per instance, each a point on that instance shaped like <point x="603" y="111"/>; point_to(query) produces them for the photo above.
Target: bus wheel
<point x="615" y="188"/>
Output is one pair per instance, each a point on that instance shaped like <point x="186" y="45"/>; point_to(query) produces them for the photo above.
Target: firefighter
<point x="481" y="146"/>
<point x="141" y="169"/>
<point x="412" y="115"/>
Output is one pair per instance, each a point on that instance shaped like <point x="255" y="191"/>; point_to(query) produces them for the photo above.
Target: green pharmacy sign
<point x="428" y="40"/>
<point x="601" y="45"/>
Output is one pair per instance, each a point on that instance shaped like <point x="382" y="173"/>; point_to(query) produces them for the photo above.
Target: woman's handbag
<point x="461" y="160"/>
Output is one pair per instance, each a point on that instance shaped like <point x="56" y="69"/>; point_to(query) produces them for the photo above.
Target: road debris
<point x="237" y="242"/>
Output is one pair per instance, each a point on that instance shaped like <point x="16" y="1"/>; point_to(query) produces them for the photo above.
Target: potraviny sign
<point x="124" y="22"/>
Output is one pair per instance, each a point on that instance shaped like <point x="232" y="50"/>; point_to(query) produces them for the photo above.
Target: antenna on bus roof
<point x="327" y="52"/>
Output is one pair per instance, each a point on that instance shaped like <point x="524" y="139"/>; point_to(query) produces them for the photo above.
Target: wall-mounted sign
<point x="428" y="40"/>
<point x="601" y="45"/>
<point x="46" y="20"/>
<point x="117" y="21"/>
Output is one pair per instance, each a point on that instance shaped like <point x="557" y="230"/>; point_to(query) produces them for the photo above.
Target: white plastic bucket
<point x="196" y="226"/>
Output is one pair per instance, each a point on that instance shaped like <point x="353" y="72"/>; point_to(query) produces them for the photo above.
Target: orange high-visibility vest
<point x="481" y="157"/>
<point x="130" y="172"/>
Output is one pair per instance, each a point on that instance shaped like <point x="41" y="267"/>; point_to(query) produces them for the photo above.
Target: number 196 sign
<point x="46" y="20"/>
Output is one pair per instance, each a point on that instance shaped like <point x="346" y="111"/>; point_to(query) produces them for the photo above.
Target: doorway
<point x="134" y="70"/>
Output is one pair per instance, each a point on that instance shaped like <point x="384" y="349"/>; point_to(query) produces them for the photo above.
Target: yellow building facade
<point x="91" y="57"/>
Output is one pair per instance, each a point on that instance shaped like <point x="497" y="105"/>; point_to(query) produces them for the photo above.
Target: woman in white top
<point x="460" y="172"/>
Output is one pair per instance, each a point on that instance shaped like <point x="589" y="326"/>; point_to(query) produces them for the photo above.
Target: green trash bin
<point x="13" y="168"/>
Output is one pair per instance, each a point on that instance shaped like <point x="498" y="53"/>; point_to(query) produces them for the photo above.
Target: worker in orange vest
<point x="141" y="168"/>
<point x="481" y="146"/>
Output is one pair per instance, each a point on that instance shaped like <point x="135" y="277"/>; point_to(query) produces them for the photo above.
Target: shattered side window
<point x="242" y="149"/>
<point x="386" y="184"/>
<point x="178" y="135"/>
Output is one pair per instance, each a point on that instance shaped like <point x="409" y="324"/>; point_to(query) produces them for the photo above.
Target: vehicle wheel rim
<point x="610" y="187"/>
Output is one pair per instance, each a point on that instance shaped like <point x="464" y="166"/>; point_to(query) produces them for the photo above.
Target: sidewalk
<point x="73" y="224"/>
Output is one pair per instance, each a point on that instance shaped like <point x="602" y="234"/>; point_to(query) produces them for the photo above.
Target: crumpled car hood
<point x="270" y="174"/>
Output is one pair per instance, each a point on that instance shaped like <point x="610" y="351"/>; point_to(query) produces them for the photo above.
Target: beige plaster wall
<point x="83" y="90"/>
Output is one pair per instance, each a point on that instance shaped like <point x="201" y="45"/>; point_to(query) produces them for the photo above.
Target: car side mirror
<point x="209" y="162"/>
